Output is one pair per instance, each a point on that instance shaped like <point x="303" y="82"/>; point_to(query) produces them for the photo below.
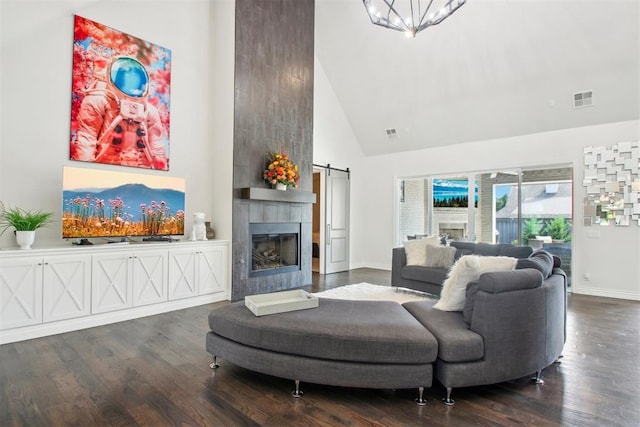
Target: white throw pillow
<point x="416" y="250"/>
<point x="468" y="269"/>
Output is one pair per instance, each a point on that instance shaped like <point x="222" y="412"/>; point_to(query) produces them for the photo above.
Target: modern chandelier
<point x="410" y="16"/>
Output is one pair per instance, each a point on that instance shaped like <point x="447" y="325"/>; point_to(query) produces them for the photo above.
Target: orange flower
<point x="281" y="170"/>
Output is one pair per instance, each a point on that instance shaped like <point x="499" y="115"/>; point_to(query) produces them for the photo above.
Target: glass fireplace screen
<point x="274" y="252"/>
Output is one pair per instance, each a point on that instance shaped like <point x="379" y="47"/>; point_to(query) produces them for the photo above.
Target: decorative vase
<point x="25" y="238"/>
<point x="211" y="233"/>
<point x="280" y="186"/>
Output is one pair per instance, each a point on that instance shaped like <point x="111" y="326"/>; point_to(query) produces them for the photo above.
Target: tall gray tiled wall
<point x="273" y="111"/>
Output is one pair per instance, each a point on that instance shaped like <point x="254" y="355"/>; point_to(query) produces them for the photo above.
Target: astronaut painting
<point x="120" y="98"/>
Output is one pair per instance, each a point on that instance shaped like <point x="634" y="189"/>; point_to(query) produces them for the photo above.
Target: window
<point x="530" y="206"/>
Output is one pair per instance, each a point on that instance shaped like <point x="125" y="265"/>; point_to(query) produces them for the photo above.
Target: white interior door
<point x="336" y="238"/>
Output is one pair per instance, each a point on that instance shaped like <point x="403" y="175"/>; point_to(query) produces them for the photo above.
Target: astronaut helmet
<point x="129" y="76"/>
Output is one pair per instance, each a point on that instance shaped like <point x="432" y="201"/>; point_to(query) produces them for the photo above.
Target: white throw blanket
<point x="468" y="269"/>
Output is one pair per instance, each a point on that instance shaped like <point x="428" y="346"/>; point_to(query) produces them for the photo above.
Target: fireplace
<point x="454" y="230"/>
<point x="274" y="249"/>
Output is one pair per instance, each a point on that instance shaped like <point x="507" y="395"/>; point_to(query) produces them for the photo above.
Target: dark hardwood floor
<point x="154" y="371"/>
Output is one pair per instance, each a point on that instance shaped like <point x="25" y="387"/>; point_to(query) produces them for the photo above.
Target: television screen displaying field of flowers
<point x="101" y="203"/>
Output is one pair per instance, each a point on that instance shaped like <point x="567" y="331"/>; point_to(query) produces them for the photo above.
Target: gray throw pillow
<point x="540" y="260"/>
<point x="415" y="250"/>
<point x="440" y="256"/>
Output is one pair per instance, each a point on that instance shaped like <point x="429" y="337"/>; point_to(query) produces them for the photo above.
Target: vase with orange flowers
<point x="281" y="172"/>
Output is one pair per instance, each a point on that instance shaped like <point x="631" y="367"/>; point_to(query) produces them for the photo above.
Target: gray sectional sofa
<point x="430" y="279"/>
<point x="513" y="325"/>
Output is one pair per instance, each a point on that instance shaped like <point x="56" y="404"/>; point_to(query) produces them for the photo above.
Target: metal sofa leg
<point x="448" y="400"/>
<point x="297" y="393"/>
<point x="538" y="378"/>
<point x="420" y="400"/>
<point x="214" y="364"/>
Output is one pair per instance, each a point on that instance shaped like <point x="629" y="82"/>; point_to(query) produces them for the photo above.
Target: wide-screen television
<point x="102" y="203"/>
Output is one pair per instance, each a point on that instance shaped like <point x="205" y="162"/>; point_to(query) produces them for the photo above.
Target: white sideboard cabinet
<point x="53" y="290"/>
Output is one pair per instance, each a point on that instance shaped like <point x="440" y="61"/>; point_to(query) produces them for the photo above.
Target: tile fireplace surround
<point x="266" y="206"/>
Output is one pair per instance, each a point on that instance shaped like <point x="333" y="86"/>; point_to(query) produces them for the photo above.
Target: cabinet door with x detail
<point x="20" y="292"/>
<point x="66" y="287"/>
<point x="111" y="282"/>
<point x="183" y="281"/>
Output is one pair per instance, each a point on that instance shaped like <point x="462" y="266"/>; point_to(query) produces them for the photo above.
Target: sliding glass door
<point x="529" y="206"/>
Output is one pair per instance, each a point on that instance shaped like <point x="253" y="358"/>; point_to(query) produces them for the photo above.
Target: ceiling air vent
<point x="392" y="133"/>
<point x="583" y="99"/>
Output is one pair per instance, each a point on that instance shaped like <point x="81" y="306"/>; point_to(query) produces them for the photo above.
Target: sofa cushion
<point x="440" y="256"/>
<point x="541" y="260"/>
<point x="462" y="252"/>
<point x="424" y="274"/>
<point x="357" y="331"/>
<point x="462" y="244"/>
<point x="456" y="343"/>
<point x="506" y="249"/>
<point x="505" y="281"/>
<point x="416" y="250"/>
<point x="487" y="249"/>
<point x="463" y="248"/>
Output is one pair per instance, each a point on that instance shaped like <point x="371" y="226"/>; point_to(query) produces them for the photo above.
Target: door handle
<point x="327" y="237"/>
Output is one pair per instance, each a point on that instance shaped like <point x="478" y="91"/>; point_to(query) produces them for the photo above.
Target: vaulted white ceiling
<point x="496" y="68"/>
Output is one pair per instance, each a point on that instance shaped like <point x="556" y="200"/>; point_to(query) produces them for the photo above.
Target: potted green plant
<point x="531" y="227"/>
<point x="558" y="229"/>
<point x="25" y="223"/>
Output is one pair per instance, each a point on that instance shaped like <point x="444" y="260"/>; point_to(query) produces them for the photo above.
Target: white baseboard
<point x="370" y="265"/>
<point x="62" y="326"/>
<point x="608" y="293"/>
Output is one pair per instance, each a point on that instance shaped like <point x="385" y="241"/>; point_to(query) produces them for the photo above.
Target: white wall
<point x="333" y="139"/>
<point x="220" y="115"/>
<point x="611" y="259"/>
<point x="35" y="93"/>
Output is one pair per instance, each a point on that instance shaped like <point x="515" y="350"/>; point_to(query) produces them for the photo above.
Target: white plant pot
<point x="280" y="186"/>
<point x="25" y="239"/>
